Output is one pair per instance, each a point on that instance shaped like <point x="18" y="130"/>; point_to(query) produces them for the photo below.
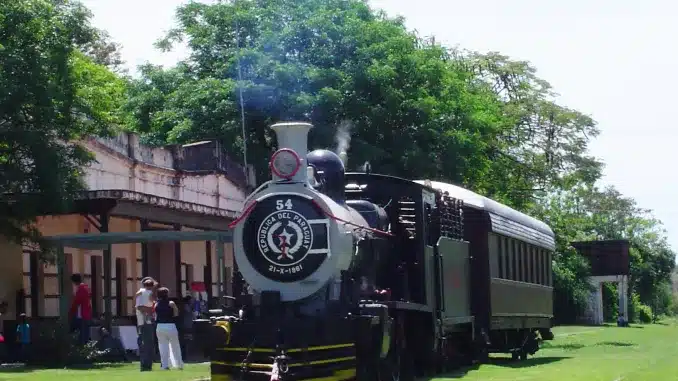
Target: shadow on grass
<point x="535" y="361"/>
<point x="20" y="368"/>
<point x="459" y="373"/>
<point x="565" y="347"/>
<point x="576" y="346"/>
<point x="498" y="361"/>
<point x="614" y="344"/>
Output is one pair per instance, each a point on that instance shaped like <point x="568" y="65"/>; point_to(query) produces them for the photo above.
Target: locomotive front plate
<point x="286" y="238"/>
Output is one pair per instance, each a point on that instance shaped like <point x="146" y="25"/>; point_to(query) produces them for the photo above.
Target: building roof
<point x="480" y="202"/>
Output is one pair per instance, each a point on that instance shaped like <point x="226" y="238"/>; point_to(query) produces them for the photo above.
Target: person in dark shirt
<point x="166" y="313"/>
<point x="23" y="337"/>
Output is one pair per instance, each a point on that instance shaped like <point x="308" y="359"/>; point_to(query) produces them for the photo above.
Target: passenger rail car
<point x="359" y="276"/>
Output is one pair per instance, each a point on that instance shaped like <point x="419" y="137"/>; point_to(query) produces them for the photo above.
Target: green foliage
<point x="326" y="62"/>
<point x="610" y="302"/>
<point x="644" y="314"/>
<point x="52" y="95"/>
<point x="416" y="109"/>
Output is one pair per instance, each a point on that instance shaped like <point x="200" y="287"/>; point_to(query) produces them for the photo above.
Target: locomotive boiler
<point x="358" y="276"/>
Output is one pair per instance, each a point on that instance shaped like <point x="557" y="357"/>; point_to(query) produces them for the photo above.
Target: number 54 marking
<point x="280" y="205"/>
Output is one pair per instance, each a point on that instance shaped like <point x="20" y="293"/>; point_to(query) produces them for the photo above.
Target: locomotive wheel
<point x="515" y="356"/>
<point x="523" y="356"/>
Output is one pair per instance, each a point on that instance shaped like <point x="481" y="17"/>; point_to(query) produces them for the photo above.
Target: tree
<point x="326" y="62"/>
<point x="544" y="145"/>
<point x="588" y="213"/>
<point x="52" y="95"/>
<point x="415" y="109"/>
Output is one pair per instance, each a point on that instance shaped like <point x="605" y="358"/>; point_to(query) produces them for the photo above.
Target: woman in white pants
<point x="166" y="312"/>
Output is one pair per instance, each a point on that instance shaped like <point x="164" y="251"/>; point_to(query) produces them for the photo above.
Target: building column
<point x="36" y="289"/>
<point x="207" y="273"/>
<point x="622" y="291"/>
<point x="144" y="250"/>
<point x="107" y="267"/>
<point x="220" y="268"/>
<point x="599" y="302"/>
<point x="177" y="265"/>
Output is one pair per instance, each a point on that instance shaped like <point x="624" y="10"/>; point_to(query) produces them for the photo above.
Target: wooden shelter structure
<point x="104" y="241"/>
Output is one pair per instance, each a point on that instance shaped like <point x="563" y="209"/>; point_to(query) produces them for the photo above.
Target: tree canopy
<point x="53" y="93"/>
<point x="414" y="109"/>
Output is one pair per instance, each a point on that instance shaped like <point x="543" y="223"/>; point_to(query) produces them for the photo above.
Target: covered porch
<point x="104" y="241"/>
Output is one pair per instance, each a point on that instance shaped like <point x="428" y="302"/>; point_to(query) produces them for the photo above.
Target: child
<point x="23" y="337"/>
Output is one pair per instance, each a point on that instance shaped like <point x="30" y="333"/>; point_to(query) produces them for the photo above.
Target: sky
<point x="612" y="59"/>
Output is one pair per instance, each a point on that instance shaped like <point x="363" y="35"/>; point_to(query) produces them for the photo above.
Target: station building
<point x="132" y="188"/>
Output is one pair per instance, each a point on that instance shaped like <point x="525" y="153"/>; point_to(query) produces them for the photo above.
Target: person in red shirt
<point x="81" y="309"/>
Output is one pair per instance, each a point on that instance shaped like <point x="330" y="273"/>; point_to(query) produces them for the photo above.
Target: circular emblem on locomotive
<point x="286" y="238"/>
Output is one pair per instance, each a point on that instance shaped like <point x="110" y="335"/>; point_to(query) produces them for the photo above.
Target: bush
<point x="644" y="314"/>
<point x="54" y="346"/>
<point x="674" y="305"/>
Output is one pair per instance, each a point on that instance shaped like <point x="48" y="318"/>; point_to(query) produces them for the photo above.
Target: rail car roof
<point x="477" y="201"/>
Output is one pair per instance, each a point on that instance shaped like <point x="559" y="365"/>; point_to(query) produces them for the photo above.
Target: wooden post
<point x="63" y="284"/>
<point x="108" y="281"/>
<point x="177" y="265"/>
<point x="220" y="268"/>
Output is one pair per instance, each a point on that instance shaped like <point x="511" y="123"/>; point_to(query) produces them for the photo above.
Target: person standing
<point x="185" y="325"/>
<point x="166" y="313"/>
<point x="80" y="312"/>
<point x="23" y="337"/>
<point x="144" y="311"/>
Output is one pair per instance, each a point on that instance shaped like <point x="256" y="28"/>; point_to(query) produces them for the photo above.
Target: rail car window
<point x="521" y="261"/>
<point x="539" y="261"/>
<point x="514" y="259"/>
<point x="494" y="255"/>
<point x="516" y="253"/>
<point x="545" y="266"/>
<point x="508" y="269"/>
<point x="501" y="253"/>
<point x="528" y="263"/>
<point x="534" y="267"/>
<point x="549" y="273"/>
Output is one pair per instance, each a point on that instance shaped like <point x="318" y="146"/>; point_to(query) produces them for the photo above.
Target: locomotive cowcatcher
<point x="358" y="276"/>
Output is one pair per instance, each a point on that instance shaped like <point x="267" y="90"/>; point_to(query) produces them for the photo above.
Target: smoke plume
<point x="343" y="137"/>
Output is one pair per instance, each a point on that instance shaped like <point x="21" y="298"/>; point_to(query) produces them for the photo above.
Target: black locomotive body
<point x="358" y="276"/>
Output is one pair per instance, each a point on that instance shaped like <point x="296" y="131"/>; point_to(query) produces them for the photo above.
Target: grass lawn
<point x="114" y="372"/>
<point x="639" y="353"/>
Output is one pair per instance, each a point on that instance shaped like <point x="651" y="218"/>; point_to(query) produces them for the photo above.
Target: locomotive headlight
<point x="285" y="163"/>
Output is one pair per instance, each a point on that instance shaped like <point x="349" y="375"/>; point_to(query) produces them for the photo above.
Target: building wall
<point x="155" y="176"/>
<point x="10" y="276"/>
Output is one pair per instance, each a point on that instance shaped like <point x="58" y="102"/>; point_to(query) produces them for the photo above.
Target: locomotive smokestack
<point x="294" y="135"/>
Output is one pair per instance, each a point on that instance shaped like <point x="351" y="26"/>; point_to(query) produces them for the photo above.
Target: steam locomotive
<point x="359" y="276"/>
